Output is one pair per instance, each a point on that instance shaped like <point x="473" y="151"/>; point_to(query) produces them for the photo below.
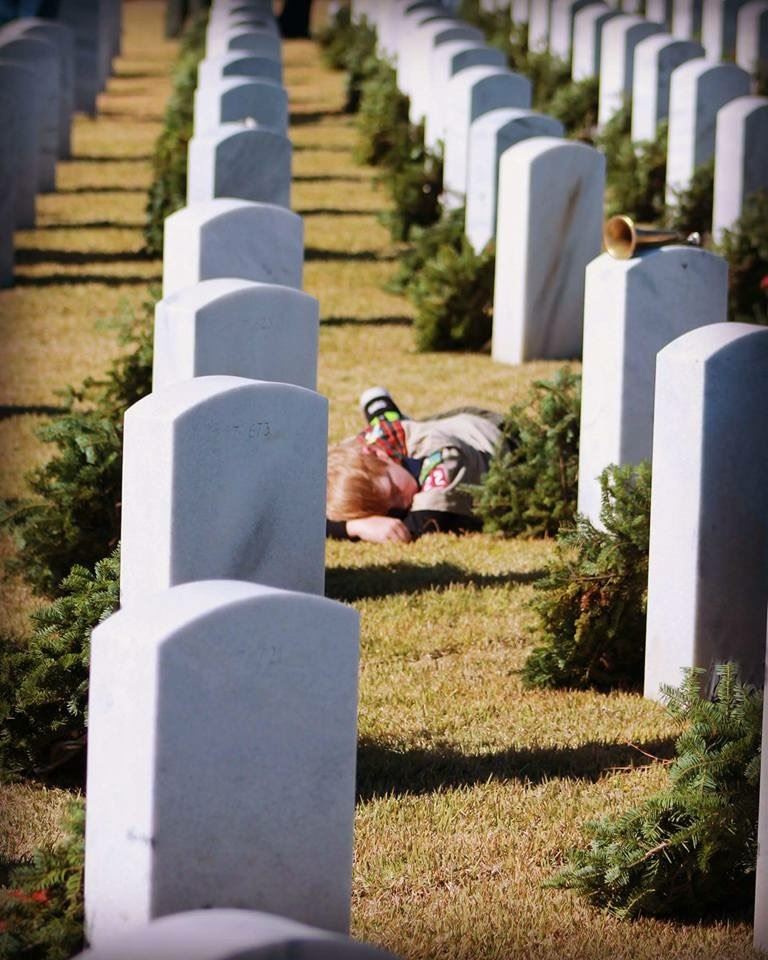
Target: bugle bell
<point x="621" y="237"/>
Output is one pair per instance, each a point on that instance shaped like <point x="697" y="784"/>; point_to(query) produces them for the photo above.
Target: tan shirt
<point x="456" y="450"/>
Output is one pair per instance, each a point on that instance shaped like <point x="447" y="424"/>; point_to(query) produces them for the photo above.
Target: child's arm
<point x="370" y="529"/>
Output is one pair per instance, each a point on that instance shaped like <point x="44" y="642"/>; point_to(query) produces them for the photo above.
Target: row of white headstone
<point x="652" y="63"/>
<point x="223" y="694"/>
<point x="48" y="69"/>
<point x="538" y="194"/>
<point x="664" y="376"/>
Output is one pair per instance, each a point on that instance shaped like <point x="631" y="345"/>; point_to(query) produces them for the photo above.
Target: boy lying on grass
<point x="401" y="478"/>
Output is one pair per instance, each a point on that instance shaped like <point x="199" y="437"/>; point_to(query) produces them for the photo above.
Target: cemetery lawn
<point x="470" y="788"/>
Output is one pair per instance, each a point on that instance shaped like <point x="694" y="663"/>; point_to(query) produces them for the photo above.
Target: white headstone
<point x="659" y="11"/>
<point x="63" y="38"/>
<point x="10" y="120"/>
<point x="708" y="561"/>
<point x="88" y="20"/>
<point x="538" y="24"/>
<point x="632" y="309"/>
<point x="519" y="11"/>
<point x="239" y="328"/>
<point x="43" y="58"/>
<point x="18" y="82"/>
<point x="760" y="939"/>
<point x="235" y="99"/>
<point x="447" y="60"/>
<point x="561" y="28"/>
<point x="238" y="160"/>
<point x="232" y="238"/>
<point x="686" y="18"/>
<point x="259" y="42"/>
<point x="236" y="704"/>
<point x="620" y="37"/>
<point x="718" y="27"/>
<point x="415" y="42"/>
<point x="752" y="35"/>
<point x="587" y="39"/>
<point x="470" y="94"/>
<point x="213" y="69"/>
<point x="697" y="90"/>
<point x="232" y="935"/>
<point x="549" y="227"/>
<point x="489" y="136"/>
<point x="656" y="58"/>
<point x="741" y="158"/>
<point x="432" y="36"/>
<point x="224" y="477"/>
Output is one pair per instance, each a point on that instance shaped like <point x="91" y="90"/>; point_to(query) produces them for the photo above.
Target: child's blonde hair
<point x="353" y="491"/>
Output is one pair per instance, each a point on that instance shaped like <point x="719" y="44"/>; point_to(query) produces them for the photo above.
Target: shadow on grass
<point x="18" y="410"/>
<point x="319" y="148"/>
<point x="91" y="225"/>
<point x="98" y="158"/>
<point x="368" y="583"/>
<point x="393" y="321"/>
<point x="366" y="256"/>
<point x="315" y="116"/>
<point x="117" y="188"/>
<point x="75" y="279"/>
<point x="335" y="211"/>
<point x="328" y="178"/>
<point x="386" y="770"/>
<point x="27" y="256"/>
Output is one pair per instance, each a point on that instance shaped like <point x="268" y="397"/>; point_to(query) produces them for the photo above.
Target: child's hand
<point x="379" y="530"/>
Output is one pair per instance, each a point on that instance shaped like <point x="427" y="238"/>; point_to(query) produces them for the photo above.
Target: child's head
<point x="364" y="482"/>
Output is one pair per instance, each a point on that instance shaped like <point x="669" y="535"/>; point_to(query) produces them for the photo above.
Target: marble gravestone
<point x="232" y="238"/>
<point x="414" y="44"/>
<point x="519" y="11"/>
<point x="656" y="59"/>
<point x="249" y="162"/>
<point x="235" y="99"/>
<point x="18" y="83"/>
<point x="470" y="94"/>
<point x="741" y="158"/>
<point x="260" y="43"/>
<point x="659" y="11"/>
<point x="760" y="938"/>
<point x="620" y="37"/>
<point x="562" y="25"/>
<point x="698" y="89"/>
<point x="232" y="935"/>
<point x="87" y="19"/>
<point x="538" y="25"/>
<point x="718" y="27"/>
<point x="752" y="36"/>
<point x="587" y="39"/>
<point x="422" y="91"/>
<point x="549" y="226"/>
<point x="686" y="18"/>
<point x="446" y="60"/>
<point x="489" y="136"/>
<point x="239" y="328"/>
<point x="63" y="39"/>
<point x="213" y="69"/>
<point x="632" y="309"/>
<point x="10" y="120"/>
<point x="239" y="703"/>
<point x="42" y="57"/>
<point x="224" y="477"/>
<point x="708" y="558"/>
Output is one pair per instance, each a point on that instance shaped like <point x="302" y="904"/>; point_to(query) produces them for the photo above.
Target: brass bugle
<point x="621" y="237"/>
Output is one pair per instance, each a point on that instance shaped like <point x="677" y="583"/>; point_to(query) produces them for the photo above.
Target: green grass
<point x="470" y="787"/>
